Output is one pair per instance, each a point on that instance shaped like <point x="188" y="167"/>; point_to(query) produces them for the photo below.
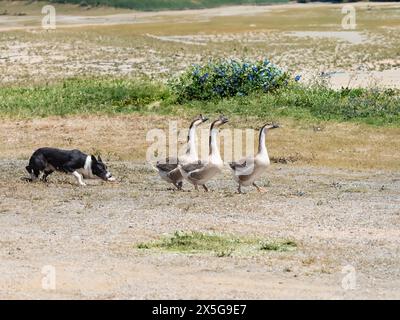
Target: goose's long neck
<point x="213" y="145"/>
<point x="262" y="149"/>
<point x="191" y="149"/>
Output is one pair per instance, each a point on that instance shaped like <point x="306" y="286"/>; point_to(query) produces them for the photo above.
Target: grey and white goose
<point x="168" y="169"/>
<point x="246" y="171"/>
<point x="200" y="172"/>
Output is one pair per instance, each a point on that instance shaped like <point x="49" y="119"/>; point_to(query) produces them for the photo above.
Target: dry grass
<point x="124" y="138"/>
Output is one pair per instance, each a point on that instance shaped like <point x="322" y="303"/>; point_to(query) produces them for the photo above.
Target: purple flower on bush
<point x="297" y="78"/>
<point x="204" y="77"/>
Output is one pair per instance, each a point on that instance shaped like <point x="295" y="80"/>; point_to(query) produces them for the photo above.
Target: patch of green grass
<point x="278" y="245"/>
<point x="73" y="96"/>
<point x="377" y="107"/>
<point x="220" y="245"/>
<point x="195" y="242"/>
<point x="123" y="96"/>
<point x="143" y="246"/>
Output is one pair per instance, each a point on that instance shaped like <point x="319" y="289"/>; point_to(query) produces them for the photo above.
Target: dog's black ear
<point x="99" y="158"/>
<point x="94" y="160"/>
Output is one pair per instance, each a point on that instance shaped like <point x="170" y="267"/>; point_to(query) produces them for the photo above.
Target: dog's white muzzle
<point x="109" y="177"/>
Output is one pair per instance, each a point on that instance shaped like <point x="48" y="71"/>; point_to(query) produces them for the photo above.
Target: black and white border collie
<point x="75" y="162"/>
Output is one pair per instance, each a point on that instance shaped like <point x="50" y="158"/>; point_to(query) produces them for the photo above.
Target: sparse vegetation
<point x="195" y="242"/>
<point x="278" y="245"/>
<point x="219" y="244"/>
<point x="166" y="45"/>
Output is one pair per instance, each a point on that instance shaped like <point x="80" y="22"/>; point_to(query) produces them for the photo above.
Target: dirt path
<point x="336" y="217"/>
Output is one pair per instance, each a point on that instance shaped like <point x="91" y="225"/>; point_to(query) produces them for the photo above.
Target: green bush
<point x="228" y="78"/>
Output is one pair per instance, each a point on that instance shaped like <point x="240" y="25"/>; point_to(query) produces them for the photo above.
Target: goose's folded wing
<point x="195" y="166"/>
<point x="195" y="170"/>
<point x="238" y="164"/>
<point x="243" y="166"/>
<point x="168" y="165"/>
<point x="175" y="174"/>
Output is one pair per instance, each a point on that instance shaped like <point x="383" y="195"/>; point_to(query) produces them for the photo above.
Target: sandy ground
<point x="159" y="45"/>
<point x="337" y="217"/>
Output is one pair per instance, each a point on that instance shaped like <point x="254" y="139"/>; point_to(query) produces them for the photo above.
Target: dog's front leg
<point x="79" y="177"/>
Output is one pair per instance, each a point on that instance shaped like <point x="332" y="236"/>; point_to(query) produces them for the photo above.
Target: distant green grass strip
<point x="124" y="96"/>
<point x="218" y="244"/>
<point x="150" y="5"/>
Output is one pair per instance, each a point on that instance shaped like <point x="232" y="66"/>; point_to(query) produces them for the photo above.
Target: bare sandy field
<point x="340" y="218"/>
<point x="306" y="39"/>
